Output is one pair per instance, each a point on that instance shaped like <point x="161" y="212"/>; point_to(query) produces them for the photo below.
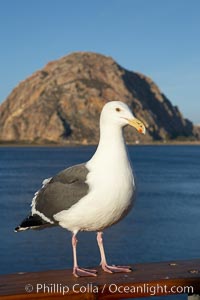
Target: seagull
<point x="91" y="196"/>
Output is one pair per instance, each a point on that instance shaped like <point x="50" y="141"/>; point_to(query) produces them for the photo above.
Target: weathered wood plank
<point x="194" y="297"/>
<point x="146" y="279"/>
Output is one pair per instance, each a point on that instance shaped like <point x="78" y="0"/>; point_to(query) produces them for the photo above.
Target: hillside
<point x="61" y="103"/>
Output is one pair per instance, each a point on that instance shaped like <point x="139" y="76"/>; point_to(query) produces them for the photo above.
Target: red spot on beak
<point x="140" y="130"/>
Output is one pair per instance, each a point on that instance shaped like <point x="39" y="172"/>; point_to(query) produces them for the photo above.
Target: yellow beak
<point x="138" y="125"/>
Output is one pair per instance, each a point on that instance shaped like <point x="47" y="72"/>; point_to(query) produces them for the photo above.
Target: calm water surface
<point x="164" y="224"/>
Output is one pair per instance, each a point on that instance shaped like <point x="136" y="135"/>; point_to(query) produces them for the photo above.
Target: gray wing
<point x="61" y="192"/>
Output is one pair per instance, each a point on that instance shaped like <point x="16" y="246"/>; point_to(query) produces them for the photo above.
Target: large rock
<point x="62" y="103"/>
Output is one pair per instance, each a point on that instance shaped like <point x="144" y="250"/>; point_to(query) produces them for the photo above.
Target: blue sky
<point x="156" y="37"/>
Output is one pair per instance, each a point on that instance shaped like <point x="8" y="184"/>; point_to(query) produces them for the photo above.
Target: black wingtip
<point x="32" y="222"/>
<point x="16" y="229"/>
<point x="19" y="228"/>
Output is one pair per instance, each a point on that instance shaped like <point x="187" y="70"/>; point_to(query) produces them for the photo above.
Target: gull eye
<point x="118" y="109"/>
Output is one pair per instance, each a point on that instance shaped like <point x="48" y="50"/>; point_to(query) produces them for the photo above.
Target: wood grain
<point x="145" y="280"/>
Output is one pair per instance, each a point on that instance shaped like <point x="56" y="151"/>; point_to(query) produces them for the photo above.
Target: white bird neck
<point x="112" y="147"/>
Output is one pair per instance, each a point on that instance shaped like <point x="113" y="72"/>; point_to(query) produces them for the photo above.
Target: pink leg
<point x="105" y="266"/>
<point x="77" y="272"/>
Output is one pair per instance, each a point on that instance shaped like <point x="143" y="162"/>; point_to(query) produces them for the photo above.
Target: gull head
<point x="119" y="114"/>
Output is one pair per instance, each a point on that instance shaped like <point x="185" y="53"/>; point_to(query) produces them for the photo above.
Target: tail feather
<point x="32" y="222"/>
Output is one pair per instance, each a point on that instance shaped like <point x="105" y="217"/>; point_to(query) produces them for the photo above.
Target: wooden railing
<point x="150" y="279"/>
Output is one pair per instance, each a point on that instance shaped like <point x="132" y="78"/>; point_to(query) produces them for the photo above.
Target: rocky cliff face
<point x="62" y="103"/>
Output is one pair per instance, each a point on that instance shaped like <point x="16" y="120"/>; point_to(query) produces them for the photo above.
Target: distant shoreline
<point x="57" y="145"/>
